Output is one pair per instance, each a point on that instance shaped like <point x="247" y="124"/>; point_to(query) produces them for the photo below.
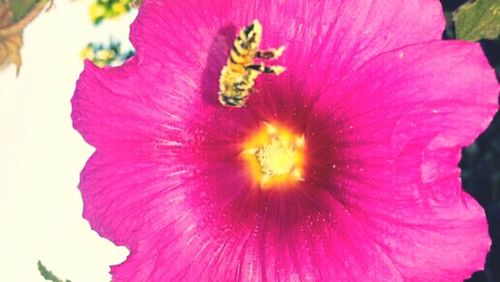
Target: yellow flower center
<point x="275" y="157"/>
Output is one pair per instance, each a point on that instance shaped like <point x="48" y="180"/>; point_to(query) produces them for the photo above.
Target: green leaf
<point x="48" y="275"/>
<point x="10" y="44"/>
<point x="478" y="19"/>
<point x="21" y="7"/>
<point x="15" y="15"/>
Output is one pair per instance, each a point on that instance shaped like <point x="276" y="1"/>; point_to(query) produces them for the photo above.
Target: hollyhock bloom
<point x="342" y="168"/>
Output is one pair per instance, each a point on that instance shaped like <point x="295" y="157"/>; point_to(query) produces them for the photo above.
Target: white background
<point x="41" y="155"/>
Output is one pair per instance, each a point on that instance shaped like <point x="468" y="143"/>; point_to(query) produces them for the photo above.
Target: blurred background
<point x="42" y="47"/>
<point x="41" y="155"/>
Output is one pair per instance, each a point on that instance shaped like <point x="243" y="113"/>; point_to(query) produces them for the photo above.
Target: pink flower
<point x="373" y="105"/>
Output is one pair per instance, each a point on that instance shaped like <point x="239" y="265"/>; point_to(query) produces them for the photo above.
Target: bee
<point x="239" y="74"/>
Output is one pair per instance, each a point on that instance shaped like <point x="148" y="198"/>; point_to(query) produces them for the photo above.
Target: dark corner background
<point x="481" y="161"/>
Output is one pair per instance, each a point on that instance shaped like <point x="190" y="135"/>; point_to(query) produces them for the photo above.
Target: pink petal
<point x="125" y="109"/>
<point x="129" y="198"/>
<point x="160" y="86"/>
<point x="222" y="253"/>
<point x="325" y="39"/>
<point x="407" y="115"/>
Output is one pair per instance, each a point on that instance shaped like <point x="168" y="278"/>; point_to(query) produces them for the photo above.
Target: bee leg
<point x="269" y="53"/>
<point x="265" y="69"/>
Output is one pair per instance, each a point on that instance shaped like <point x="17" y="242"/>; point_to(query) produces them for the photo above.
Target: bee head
<point x="253" y="33"/>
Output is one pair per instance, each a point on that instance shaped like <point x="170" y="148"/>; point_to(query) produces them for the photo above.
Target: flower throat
<point x="275" y="156"/>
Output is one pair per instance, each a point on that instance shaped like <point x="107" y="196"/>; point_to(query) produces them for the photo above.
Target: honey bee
<point x="239" y="74"/>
